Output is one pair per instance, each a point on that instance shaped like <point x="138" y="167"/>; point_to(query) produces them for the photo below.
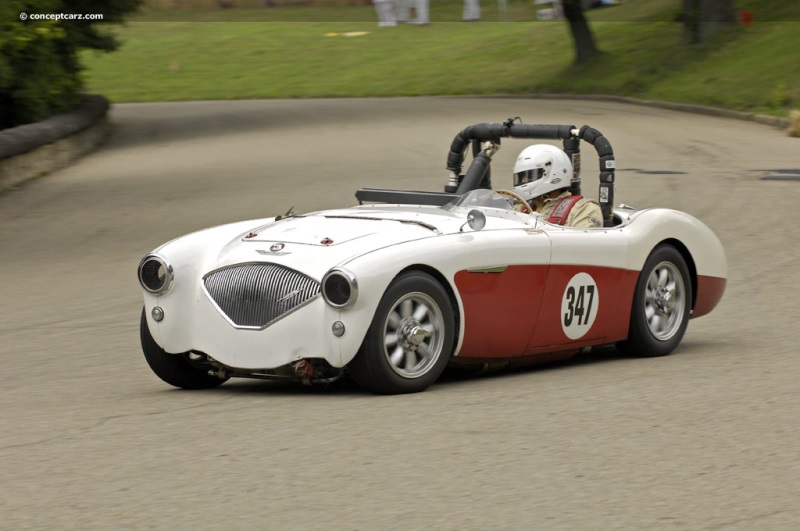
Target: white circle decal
<point x="579" y="305"/>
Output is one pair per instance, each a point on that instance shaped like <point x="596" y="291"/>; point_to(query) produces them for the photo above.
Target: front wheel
<point x="662" y="305"/>
<point x="180" y="370"/>
<point x="410" y="339"/>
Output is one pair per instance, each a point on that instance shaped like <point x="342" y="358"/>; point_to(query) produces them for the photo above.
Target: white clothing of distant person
<point x="472" y="10"/>
<point x="420" y="10"/>
<point x="386" y="13"/>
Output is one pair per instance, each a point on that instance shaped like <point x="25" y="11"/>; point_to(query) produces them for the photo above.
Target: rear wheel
<point x="181" y="370"/>
<point x="661" y="305"/>
<point x="410" y="339"/>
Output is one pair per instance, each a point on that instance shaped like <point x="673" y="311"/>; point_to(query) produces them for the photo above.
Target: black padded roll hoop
<point x="495" y="131"/>
<point x="510" y="129"/>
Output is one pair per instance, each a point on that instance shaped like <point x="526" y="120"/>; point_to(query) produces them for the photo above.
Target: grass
<point x="302" y="51"/>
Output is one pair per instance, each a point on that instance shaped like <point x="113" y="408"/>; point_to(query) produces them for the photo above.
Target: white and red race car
<point x="393" y="290"/>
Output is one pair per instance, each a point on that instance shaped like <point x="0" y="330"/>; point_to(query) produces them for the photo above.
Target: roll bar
<point x="479" y="176"/>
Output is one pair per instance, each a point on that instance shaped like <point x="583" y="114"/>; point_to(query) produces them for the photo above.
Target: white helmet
<point x="540" y="169"/>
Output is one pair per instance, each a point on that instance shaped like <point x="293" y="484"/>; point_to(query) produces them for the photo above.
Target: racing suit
<point x="585" y="213"/>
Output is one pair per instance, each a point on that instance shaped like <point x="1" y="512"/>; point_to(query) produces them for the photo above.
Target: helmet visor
<point x="528" y="176"/>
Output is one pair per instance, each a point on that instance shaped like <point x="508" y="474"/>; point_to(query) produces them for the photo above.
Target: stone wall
<point x="32" y="150"/>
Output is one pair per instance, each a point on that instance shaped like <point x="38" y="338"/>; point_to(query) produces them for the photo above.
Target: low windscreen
<point x="479" y="198"/>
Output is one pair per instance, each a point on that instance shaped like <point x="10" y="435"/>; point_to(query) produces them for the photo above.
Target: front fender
<point x="446" y="254"/>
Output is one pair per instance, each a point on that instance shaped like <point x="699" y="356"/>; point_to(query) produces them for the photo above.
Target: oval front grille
<point x="256" y="295"/>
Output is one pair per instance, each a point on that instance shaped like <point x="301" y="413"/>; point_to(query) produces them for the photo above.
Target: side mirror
<point x="475" y="219"/>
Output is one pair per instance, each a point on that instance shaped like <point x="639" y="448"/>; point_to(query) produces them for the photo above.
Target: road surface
<point x="706" y="438"/>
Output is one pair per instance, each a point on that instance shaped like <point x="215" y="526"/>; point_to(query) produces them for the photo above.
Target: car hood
<point x="337" y="229"/>
<point x="313" y="243"/>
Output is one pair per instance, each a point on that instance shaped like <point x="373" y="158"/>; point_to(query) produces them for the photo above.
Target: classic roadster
<point x="394" y="289"/>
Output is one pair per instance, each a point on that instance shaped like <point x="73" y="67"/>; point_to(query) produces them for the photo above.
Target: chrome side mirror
<point x="475" y="219"/>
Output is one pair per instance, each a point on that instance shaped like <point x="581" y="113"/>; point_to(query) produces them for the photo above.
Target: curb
<point x="774" y="121"/>
<point x="32" y="150"/>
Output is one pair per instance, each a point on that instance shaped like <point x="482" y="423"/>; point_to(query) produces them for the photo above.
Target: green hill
<point x="308" y="51"/>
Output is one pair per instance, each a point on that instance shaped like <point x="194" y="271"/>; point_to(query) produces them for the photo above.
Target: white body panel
<point x="375" y="250"/>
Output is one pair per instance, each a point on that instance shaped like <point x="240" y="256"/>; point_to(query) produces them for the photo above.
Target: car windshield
<point x="479" y="198"/>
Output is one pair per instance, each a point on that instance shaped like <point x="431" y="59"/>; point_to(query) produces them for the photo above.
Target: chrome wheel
<point x="664" y="301"/>
<point x="412" y="335"/>
<point x="661" y="305"/>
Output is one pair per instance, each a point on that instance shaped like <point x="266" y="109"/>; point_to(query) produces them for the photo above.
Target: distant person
<point x="421" y="11"/>
<point x="385" y="9"/>
<point x="472" y="10"/>
<point x="542" y="177"/>
<point x="402" y="10"/>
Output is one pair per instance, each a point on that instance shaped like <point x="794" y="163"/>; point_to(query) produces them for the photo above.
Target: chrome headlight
<point x="339" y="288"/>
<point x="155" y="274"/>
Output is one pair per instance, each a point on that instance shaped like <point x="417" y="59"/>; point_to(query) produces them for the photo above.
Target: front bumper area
<point x="306" y="371"/>
<point x="199" y="326"/>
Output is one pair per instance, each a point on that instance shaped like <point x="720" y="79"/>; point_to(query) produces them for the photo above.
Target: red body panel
<point x="519" y="312"/>
<point x="615" y="293"/>
<point x="500" y="309"/>
<point x="709" y="293"/>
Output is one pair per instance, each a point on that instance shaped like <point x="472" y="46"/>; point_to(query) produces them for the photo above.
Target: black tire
<point x="662" y="305"/>
<point x="175" y="369"/>
<point x="410" y="340"/>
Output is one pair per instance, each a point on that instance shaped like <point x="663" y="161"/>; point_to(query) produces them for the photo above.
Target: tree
<point x="703" y="18"/>
<point x="585" y="47"/>
<point x="39" y="65"/>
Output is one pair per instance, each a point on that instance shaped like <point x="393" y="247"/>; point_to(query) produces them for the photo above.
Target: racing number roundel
<point x="579" y="305"/>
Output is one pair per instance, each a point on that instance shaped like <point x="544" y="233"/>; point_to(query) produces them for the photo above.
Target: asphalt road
<point x="706" y="438"/>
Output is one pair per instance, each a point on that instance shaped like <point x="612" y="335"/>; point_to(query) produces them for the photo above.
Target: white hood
<point x="314" y="243"/>
<point x="330" y="230"/>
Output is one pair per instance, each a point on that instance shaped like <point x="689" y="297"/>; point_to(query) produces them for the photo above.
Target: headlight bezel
<point x="337" y="274"/>
<point x="145" y="272"/>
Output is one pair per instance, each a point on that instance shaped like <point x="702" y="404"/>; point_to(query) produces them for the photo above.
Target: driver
<point x="542" y="177"/>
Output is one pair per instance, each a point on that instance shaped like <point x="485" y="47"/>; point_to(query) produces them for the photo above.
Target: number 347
<point x="577" y="305"/>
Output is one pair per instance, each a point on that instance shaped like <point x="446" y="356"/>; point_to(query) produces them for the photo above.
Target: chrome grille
<point x="256" y="295"/>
